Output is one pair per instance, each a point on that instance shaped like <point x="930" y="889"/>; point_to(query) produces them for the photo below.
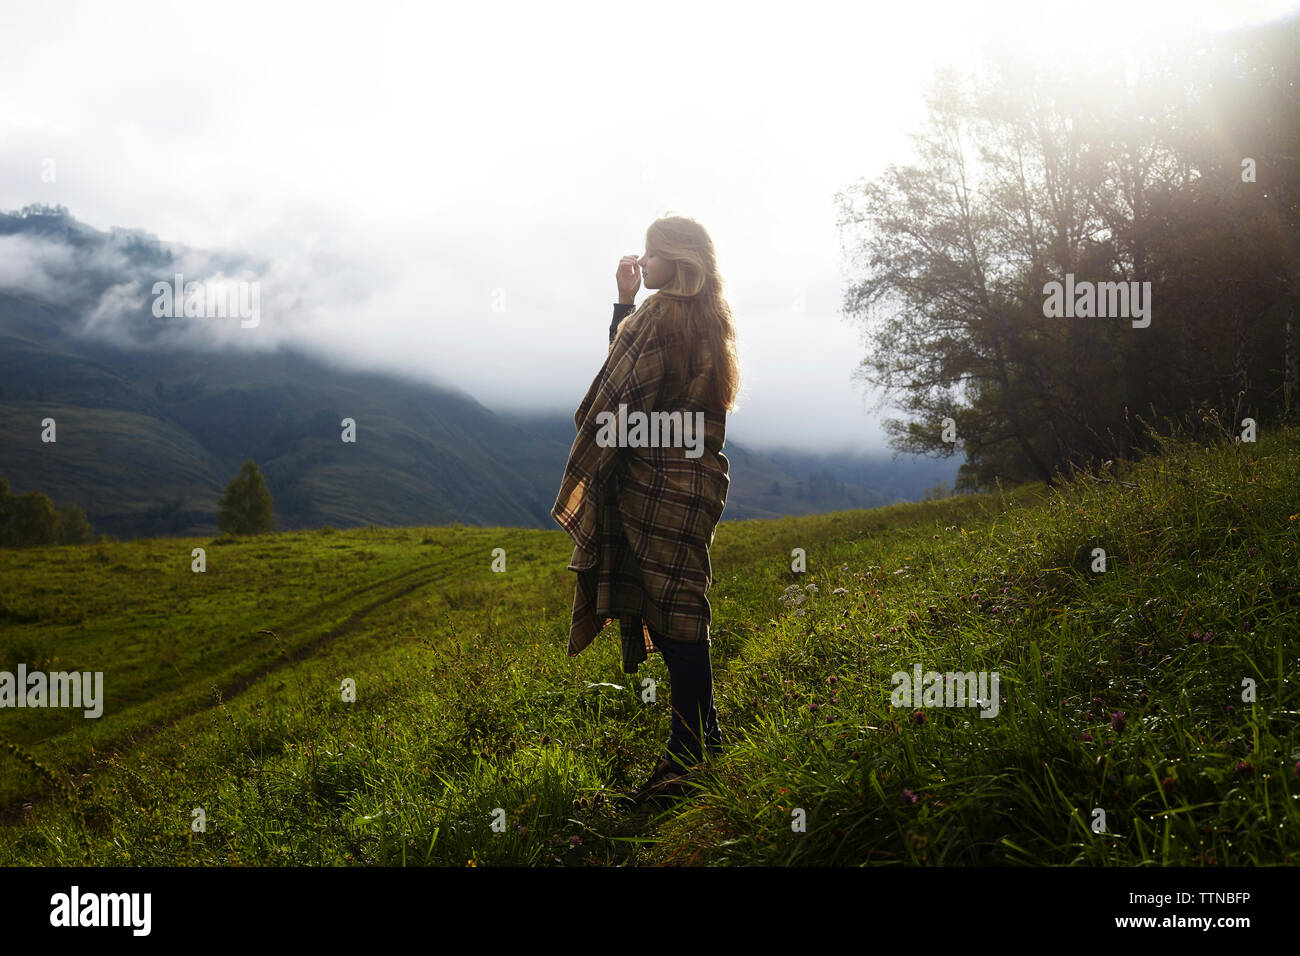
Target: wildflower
<point x="1231" y="709"/>
<point x="575" y="840"/>
<point x="812" y="707"/>
<point x="1118" y="720"/>
<point x="1167" y="784"/>
<point x="1296" y="770"/>
<point x="1244" y="767"/>
<point x="793" y="595"/>
<point x="918" y="717"/>
<point x="1087" y="736"/>
<point x="909" y="797"/>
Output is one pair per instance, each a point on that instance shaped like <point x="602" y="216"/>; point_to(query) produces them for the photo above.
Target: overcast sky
<point x="446" y="190"/>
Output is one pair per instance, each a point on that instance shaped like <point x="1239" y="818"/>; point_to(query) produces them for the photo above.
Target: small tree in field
<point x="246" y="506"/>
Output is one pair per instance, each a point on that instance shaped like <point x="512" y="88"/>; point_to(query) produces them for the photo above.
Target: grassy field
<point x="1127" y="692"/>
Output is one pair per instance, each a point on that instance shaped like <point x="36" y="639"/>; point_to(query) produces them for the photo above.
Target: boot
<point x="668" y="781"/>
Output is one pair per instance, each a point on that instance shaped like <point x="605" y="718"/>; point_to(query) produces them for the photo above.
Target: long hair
<point x="692" y="304"/>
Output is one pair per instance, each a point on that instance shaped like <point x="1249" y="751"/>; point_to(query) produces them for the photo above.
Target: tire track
<point x="11" y="812"/>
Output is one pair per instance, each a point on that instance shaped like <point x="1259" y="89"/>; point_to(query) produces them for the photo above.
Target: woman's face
<point x="656" y="272"/>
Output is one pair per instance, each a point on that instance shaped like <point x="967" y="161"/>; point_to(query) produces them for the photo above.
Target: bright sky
<point x="445" y="190"/>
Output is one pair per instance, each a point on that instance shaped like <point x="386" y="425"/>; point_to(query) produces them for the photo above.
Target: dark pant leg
<point x="690" y="675"/>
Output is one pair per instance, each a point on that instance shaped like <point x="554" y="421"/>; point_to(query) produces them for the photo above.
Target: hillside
<point x="1160" y="691"/>
<point x="144" y="394"/>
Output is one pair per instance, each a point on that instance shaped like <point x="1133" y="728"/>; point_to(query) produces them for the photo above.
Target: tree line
<point x="1184" y="175"/>
<point x="31" y="520"/>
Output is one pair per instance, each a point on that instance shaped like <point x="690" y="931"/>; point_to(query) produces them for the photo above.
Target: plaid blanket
<point x="642" y="518"/>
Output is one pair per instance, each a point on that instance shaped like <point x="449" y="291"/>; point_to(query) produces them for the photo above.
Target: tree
<point x="1024" y="177"/>
<point x="246" y="508"/>
<point x="30" y="520"/>
<point x="35" y="522"/>
<point x="74" y="527"/>
<point x="938" y="491"/>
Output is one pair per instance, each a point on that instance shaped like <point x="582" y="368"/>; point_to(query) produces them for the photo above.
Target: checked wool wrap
<point x="642" y="519"/>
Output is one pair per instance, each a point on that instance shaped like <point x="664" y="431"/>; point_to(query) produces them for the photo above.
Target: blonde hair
<point x="692" y="304"/>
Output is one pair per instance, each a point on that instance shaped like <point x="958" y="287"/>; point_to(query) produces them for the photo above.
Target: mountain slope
<point x="150" y="429"/>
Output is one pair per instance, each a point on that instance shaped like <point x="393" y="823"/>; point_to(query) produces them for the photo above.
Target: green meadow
<point x="1148" y="713"/>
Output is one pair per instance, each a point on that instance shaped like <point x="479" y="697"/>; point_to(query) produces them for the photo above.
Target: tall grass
<point x="1125" y="692"/>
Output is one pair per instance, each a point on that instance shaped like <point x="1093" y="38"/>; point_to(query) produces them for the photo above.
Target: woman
<point x="642" y="501"/>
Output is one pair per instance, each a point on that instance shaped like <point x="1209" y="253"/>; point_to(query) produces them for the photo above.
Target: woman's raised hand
<point x="629" y="278"/>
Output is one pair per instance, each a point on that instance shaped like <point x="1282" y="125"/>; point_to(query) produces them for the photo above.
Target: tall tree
<point x="1023" y="176"/>
<point x="246" y="506"/>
